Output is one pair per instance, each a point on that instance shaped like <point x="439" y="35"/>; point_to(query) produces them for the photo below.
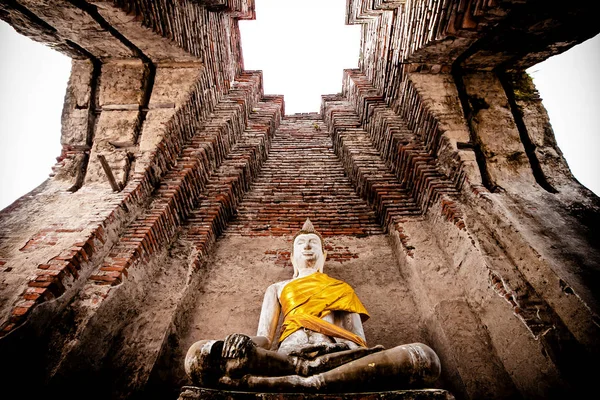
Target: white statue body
<point x="309" y="359"/>
<point x="308" y="257"/>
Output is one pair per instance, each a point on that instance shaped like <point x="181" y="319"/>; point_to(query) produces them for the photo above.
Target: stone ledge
<point x="196" y="393"/>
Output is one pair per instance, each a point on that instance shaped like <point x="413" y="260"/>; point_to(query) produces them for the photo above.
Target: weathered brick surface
<point x="61" y="255"/>
<point x="409" y="149"/>
<point x="90" y="35"/>
<point x="434" y="33"/>
<point x="28" y="24"/>
<point x="193" y="105"/>
<point x="183" y="187"/>
<point x="217" y="149"/>
<point x="122" y="89"/>
<point x="234" y="177"/>
<point x="390" y="166"/>
<point x="78" y="118"/>
<point x="541" y="146"/>
<point x="505" y="158"/>
<point x="364" y="165"/>
<point x="211" y="36"/>
<point x="68" y="263"/>
<point x="160" y="49"/>
<point x="429" y="104"/>
<point x="301" y="179"/>
<point x="451" y="210"/>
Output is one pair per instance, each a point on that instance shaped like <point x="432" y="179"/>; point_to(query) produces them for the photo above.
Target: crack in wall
<point x="486" y="179"/>
<point x="91" y="127"/>
<point x="529" y="146"/>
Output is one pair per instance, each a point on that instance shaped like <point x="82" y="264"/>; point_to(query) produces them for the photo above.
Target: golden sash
<point x="305" y="301"/>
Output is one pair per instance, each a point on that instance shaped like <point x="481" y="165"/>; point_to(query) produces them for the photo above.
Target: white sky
<point x="569" y="86"/>
<point x="299" y="64"/>
<point x="33" y="81"/>
<point x="288" y="44"/>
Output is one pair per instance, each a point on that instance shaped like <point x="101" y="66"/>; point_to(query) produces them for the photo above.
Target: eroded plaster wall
<point x="241" y="269"/>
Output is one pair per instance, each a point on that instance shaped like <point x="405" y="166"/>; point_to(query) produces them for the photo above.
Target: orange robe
<point x="305" y="301"/>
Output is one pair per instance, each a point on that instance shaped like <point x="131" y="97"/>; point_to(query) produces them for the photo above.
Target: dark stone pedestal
<point x="196" y="393"/>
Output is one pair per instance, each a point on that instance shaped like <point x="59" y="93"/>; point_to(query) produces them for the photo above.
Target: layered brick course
<point x="162" y="159"/>
<point x="235" y="176"/>
<point x="364" y="165"/>
<point x="302" y="179"/>
<point x="178" y="130"/>
<point x="411" y="181"/>
<point x="182" y="187"/>
<point x="210" y="35"/>
<point x="409" y="149"/>
<point x="399" y="36"/>
<point x="54" y="277"/>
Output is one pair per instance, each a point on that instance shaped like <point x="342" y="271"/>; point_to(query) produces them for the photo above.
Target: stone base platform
<point x="196" y="393"/>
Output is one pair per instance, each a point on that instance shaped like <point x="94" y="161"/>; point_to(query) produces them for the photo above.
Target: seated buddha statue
<point x="322" y="345"/>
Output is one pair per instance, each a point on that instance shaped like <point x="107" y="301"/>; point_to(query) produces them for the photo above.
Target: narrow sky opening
<point x="570" y="89"/>
<point x="33" y="83"/>
<point x="302" y="49"/>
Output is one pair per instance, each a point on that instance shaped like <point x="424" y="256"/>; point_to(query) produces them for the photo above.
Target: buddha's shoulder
<point x="279" y="285"/>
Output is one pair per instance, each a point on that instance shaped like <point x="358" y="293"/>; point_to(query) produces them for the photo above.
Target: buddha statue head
<point x="308" y="253"/>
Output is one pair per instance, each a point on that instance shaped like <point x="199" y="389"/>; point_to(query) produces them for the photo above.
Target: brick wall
<point x="301" y="179"/>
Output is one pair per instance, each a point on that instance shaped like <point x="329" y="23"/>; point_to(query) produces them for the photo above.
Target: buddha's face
<point x="308" y="251"/>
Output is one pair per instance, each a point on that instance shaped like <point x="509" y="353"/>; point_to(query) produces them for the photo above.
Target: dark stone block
<point x="196" y="393"/>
